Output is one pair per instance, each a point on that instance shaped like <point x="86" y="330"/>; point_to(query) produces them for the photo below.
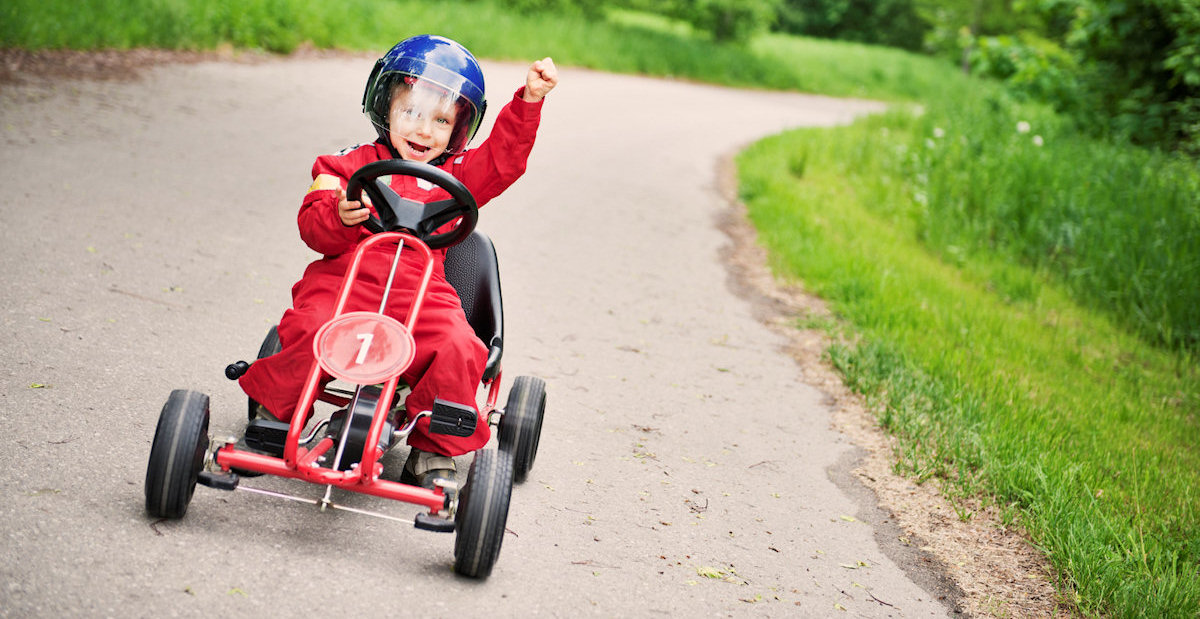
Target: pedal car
<point x="366" y="352"/>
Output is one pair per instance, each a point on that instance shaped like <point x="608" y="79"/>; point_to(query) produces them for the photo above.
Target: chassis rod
<point x="324" y="503"/>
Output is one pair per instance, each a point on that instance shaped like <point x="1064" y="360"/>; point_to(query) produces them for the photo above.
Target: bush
<point x="728" y="21"/>
<point x="586" y="8"/>
<point x="894" y="23"/>
<point x="1140" y="66"/>
<point x="1031" y="66"/>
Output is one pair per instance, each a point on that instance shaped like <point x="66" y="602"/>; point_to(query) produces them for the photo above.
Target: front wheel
<point x="482" y="514"/>
<point x="521" y="424"/>
<point x="177" y="454"/>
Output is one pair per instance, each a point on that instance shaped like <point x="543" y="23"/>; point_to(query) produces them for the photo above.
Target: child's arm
<point x="328" y="222"/>
<point x="500" y="160"/>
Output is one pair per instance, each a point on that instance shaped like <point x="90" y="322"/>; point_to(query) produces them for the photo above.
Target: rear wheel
<point x="521" y="424"/>
<point x="270" y="346"/>
<point x="177" y="454"/>
<point x="482" y="514"/>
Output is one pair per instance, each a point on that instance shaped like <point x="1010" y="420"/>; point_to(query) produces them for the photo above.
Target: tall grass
<point x="998" y="379"/>
<point x="1118" y="226"/>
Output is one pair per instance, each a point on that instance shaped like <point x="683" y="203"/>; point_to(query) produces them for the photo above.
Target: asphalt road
<point x="148" y="237"/>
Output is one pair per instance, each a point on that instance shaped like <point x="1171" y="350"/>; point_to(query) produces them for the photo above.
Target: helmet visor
<point x="424" y="112"/>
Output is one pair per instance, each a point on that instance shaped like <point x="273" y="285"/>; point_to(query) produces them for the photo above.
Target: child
<point x="426" y="100"/>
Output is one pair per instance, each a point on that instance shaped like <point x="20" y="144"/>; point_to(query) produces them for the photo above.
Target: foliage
<point x="727" y="21"/>
<point x="894" y="23"/>
<point x="954" y="24"/>
<point x="1033" y="68"/>
<point x="1140" y="62"/>
<point x="1129" y="70"/>
<point x="724" y="21"/>
<point x="586" y="8"/>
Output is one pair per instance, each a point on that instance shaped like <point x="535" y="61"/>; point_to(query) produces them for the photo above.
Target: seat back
<point x="473" y="270"/>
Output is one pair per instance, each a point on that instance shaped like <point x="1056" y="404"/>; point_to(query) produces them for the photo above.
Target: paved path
<point x="147" y="238"/>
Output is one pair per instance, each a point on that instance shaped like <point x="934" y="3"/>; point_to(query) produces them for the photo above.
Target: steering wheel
<point x="423" y="220"/>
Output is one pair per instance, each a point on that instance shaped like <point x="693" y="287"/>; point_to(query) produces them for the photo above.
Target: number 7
<point x="366" y="344"/>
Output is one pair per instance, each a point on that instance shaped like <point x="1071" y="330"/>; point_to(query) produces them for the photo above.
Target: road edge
<point x="977" y="567"/>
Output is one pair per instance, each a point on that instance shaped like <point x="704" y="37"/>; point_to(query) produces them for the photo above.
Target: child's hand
<point x="351" y="213"/>
<point x="541" y="79"/>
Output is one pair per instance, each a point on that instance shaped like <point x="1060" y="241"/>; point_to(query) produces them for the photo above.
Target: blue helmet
<point x="434" y="62"/>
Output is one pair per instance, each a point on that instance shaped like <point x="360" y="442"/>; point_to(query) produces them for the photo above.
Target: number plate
<point x="364" y="348"/>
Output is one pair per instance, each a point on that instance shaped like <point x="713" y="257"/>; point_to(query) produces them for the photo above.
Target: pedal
<point x="452" y="419"/>
<point x="267" y="436"/>
<point x="220" y="481"/>
<point x="433" y="523"/>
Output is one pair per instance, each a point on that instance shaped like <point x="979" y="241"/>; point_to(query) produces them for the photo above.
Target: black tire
<point x="482" y="514"/>
<point x="360" y="415"/>
<point x="270" y="346"/>
<point x="521" y="424"/>
<point x="177" y="454"/>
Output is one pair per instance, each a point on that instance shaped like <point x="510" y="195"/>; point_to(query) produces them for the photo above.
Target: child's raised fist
<point x="541" y="79"/>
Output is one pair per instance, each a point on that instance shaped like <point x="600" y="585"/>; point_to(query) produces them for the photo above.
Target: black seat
<point x="473" y="270"/>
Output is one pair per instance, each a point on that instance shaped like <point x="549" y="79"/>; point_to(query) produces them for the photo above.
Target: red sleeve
<point x="497" y="163"/>
<point x="320" y="227"/>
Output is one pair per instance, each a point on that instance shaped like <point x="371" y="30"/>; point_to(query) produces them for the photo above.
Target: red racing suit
<point x="450" y="358"/>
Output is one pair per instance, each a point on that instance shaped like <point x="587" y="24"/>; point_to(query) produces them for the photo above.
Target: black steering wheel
<point x="422" y="220"/>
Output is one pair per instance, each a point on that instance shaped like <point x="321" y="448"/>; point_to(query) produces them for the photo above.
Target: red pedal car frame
<point x="370" y="350"/>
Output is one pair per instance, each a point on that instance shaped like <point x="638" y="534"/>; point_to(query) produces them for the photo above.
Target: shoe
<point x="427" y="469"/>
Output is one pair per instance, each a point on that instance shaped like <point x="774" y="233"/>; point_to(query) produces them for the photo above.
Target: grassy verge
<point x="997" y="379"/>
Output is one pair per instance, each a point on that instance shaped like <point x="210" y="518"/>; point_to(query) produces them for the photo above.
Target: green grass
<point x="1119" y="227"/>
<point x="998" y="380"/>
<point x="1024" y="316"/>
<point x="627" y="43"/>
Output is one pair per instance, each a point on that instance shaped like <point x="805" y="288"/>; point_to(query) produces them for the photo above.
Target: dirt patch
<point x="995" y="569"/>
<point x="20" y="65"/>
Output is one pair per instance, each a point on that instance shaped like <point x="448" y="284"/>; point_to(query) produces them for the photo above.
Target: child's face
<point x="421" y="124"/>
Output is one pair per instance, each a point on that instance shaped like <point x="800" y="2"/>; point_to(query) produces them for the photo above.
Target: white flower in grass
<point x="929" y="143"/>
<point x="1023" y="127"/>
<point x="1038" y="141"/>
<point x="938" y="132"/>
